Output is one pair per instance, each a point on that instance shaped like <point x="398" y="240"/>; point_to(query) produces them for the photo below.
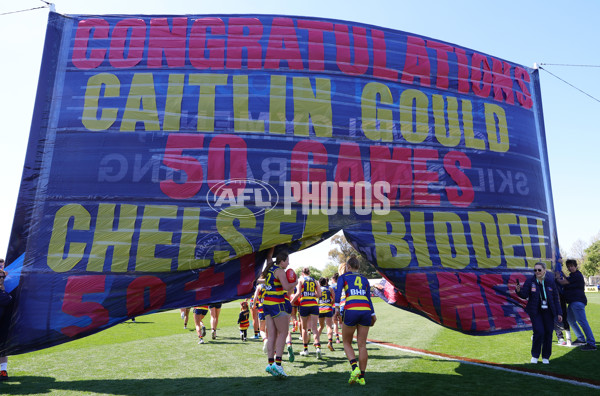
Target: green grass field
<point x="156" y="356"/>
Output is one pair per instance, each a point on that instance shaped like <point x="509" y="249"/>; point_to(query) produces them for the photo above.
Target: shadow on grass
<point x="468" y="380"/>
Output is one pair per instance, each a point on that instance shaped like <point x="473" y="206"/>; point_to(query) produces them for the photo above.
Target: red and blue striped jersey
<point x="326" y="300"/>
<point x="308" y="296"/>
<point x="274" y="293"/>
<point x="357" y="290"/>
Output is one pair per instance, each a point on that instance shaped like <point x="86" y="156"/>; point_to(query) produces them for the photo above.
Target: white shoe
<point x="545" y="361"/>
<point x="278" y="371"/>
<point x="304" y="353"/>
<point x="562" y="342"/>
<point x="534" y="360"/>
<point x="201" y="341"/>
<point x="318" y="353"/>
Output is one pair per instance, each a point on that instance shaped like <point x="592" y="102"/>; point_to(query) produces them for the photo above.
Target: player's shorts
<point x="305" y="311"/>
<point x="275" y="310"/>
<point x="353" y="318"/>
<point x="326" y="314"/>
<point x="288" y="307"/>
<point x="200" y="311"/>
<point x="215" y="305"/>
<point x="261" y="315"/>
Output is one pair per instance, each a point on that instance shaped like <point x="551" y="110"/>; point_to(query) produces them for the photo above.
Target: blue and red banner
<point x="168" y="153"/>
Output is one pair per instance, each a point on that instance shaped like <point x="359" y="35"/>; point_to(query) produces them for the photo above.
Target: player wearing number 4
<point x="359" y="316"/>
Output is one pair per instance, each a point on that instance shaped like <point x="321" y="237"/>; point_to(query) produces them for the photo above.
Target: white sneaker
<point x="304" y="353"/>
<point x="562" y="342"/>
<point x="534" y="360"/>
<point x="545" y="361"/>
<point x="278" y="370"/>
<point x="201" y="341"/>
<point x="318" y="353"/>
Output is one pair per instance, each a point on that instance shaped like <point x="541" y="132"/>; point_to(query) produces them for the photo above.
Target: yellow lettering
<point x="467" y="116"/>
<point x="226" y="227"/>
<point x="496" y="126"/>
<point x="448" y="137"/>
<point x="189" y="237"/>
<point x="460" y="258"/>
<point x="272" y="235"/>
<point x="478" y="221"/>
<point x="206" y="99"/>
<point x="151" y="235"/>
<point x="241" y="115"/>
<point x="385" y="238"/>
<point x="105" y="236"/>
<point x="377" y="123"/>
<point x="172" y="121"/>
<point x="414" y="129"/>
<point x="112" y="88"/>
<point x="509" y="241"/>
<point x="277" y="98"/>
<point x="312" y="107"/>
<point x="418" y="234"/>
<point x="58" y="247"/>
<point x="141" y="104"/>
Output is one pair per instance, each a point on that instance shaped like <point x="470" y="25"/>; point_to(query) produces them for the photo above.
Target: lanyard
<point x="543" y="289"/>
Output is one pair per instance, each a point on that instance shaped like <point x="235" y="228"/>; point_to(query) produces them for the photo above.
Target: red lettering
<point x="203" y="286"/>
<point x="247" y="266"/>
<point x="89" y="311"/>
<point x="316" y="50"/>
<point x="417" y="62"/>
<point x="396" y="169"/>
<point x="423" y="177"/>
<point x="490" y="283"/>
<point x="237" y="40"/>
<point x="511" y="282"/>
<point x="463" y="70"/>
<point x="442" y="50"/>
<point x="157" y="291"/>
<point x="237" y="161"/>
<point x="481" y="75"/>
<point x="461" y="300"/>
<point x="349" y="168"/>
<point x="192" y="168"/>
<point x="502" y="82"/>
<point x="207" y="53"/>
<point x="462" y="194"/>
<point x="418" y="295"/>
<point x="283" y="45"/>
<point x="301" y="161"/>
<point x="523" y="79"/>
<point x="379" y="57"/>
<point x="171" y="42"/>
<point x="98" y="28"/>
<point x="137" y="40"/>
<point x="344" y="53"/>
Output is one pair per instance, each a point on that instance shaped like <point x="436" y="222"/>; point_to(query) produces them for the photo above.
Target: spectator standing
<point x="574" y="292"/>
<point x="542" y="307"/>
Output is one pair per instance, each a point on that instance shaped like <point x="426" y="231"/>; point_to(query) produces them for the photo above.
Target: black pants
<point x="543" y="325"/>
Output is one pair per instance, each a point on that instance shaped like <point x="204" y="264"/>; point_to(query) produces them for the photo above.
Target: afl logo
<point x="256" y="196"/>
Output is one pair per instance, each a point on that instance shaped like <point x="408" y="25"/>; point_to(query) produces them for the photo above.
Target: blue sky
<point x="521" y="32"/>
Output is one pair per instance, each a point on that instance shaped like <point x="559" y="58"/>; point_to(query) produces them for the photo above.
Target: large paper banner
<point x="169" y="153"/>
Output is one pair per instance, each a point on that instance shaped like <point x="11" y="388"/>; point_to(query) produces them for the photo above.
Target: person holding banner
<point x="574" y="292"/>
<point x="359" y="316"/>
<point x="5" y="299"/>
<point x="276" y="284"/>
<point x="543" y="306"/>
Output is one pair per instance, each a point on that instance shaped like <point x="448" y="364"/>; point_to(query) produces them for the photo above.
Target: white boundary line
<point x="544" y="376"/>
